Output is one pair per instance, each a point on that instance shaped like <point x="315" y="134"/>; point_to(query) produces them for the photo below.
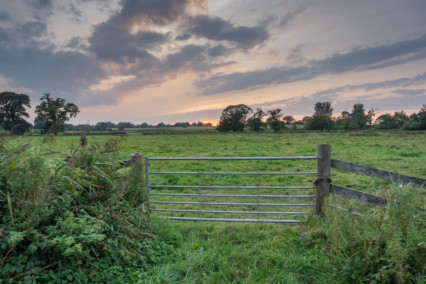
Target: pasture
<point x="259" y="253"/>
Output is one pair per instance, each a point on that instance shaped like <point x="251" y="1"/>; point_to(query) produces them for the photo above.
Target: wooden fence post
<point x="323" y="180"/>
<point x="135" y="159"/>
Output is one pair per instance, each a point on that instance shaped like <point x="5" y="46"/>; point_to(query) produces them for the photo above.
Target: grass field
<point x="259" y="253"/>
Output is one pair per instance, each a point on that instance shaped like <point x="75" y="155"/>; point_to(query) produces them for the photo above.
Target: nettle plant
<point x="71" y="215"/>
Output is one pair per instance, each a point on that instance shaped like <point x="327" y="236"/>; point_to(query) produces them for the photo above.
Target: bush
<point x="72" y="218"/>
<point x="382" y="246"/>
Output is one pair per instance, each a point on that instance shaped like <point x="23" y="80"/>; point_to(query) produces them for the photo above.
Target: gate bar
<point x="234" y="158"/>
<point x="234" y="195"/>
<point x="232" y="173"/>
<point x="237" y="204"/>
<point x="232" y="212"/>
<point x="231" y="220"/>
<point x="232" y="187"/>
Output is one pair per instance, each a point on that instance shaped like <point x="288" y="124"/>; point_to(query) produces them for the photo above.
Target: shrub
<point x="72" y="217"/>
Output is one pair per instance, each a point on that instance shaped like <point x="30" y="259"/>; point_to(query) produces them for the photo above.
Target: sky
<point x="186" y="60"/>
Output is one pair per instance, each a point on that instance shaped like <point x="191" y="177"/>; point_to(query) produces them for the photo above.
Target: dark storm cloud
<point x="40" y="4"/>
<point x="358" y="59"/>
<point x="5" y="16"/>
<point x="33" y="29"/>
<point x="114" y="39"/>
<point x="43" y="70"/>
<point x="217" y="29"/>
<point x="111" y="41"/>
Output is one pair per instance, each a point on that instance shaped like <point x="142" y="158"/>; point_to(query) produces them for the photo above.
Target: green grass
<point x="262" y="253"/>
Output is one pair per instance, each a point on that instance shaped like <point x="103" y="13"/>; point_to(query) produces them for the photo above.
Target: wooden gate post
<point x="323" y="180"/>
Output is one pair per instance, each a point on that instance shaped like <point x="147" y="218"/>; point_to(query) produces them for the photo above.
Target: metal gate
<point x="249" y="189"/>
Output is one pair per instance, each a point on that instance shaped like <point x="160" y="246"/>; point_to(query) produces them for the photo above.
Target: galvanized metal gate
<point x="199" y="189"/>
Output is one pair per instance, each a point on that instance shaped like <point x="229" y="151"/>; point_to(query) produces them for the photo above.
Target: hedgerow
<point x="71" y="216"/>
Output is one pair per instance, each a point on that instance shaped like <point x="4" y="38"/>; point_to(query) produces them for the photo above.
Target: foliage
<point x="12" y="111"/>
<point x="274" y="120"/>
<point x="255" y="122"/>
<point x="320" y="122"/>
<point x="323" y="108"/>
<point x="417" y="121"/>
<point x="381" y="246"/>
<point x="54" y="113"/>
<point x="289" y="119"/>
<point x="234" y="118"/>
<point x="73" y="217"/>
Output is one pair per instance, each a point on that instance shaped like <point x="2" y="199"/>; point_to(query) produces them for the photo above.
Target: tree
<point x="54" y="113"/>
<point x="400" y="118"/>
<point x="417" y="121"/>
<point x="255" y="122"/>
<point x="323" y="108"/>
<point x="370" y="115"/>
<point x="274" y="120"/>
<point x="234" y="117"/>
<point x="358" y="116"/>
<point x="320" y="122"/>
<point x="12" y="111"/>
<point x="385" y="121"/>
<point x="322" y="117"/>
<point x="288" y="119"/>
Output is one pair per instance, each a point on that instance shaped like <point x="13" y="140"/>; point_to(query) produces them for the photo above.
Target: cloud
<point x="358" y="59"/>
<point x="290" y="16"/>
<point x="5" y="16"/>
<point x="388" y="94"/>
<point x="217" y="29"/>
<point x="33" y="29"/>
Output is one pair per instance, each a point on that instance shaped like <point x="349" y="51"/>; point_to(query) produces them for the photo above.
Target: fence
<point x="198" y="199"/>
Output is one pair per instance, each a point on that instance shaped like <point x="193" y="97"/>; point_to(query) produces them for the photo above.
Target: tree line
<point x="51" y="113"/>
<point x="237" y="117"/>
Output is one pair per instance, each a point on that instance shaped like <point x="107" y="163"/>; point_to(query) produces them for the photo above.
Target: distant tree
<point x="12" y="111"/>
<point x="370" y="115"/>
<point x="358" y="116"/>
<point x="399" y="118"/>
<point x="288" y="119"/>
<point x="306" y="119"/>
<point x="54" y="113"/>
<point x="101" y="126"/>
<point x="145" y="125"/>
<point x="385" y="121"/>
<point x="320" y="122"/>
<point x="274" y="120"/>
<point x="255" y="122"/>
<point x="125" y="125"/>
<point x="345" y="114"/>
<point x="323" y="108"/>
<point x="234" y="118"/>
<point x="161" y="124"/>
<point x="417" y="121"/>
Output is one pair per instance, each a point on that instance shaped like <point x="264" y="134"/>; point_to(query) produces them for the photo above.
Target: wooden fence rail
<point x="325" y="187"/>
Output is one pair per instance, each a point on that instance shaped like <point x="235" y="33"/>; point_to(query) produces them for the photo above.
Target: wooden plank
<point x="373" y="172"/>
<point x="358" y="195"/>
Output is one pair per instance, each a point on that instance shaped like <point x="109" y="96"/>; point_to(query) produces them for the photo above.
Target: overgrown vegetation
<point x="71" y="216"/>
<point x="385" y="245"/>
